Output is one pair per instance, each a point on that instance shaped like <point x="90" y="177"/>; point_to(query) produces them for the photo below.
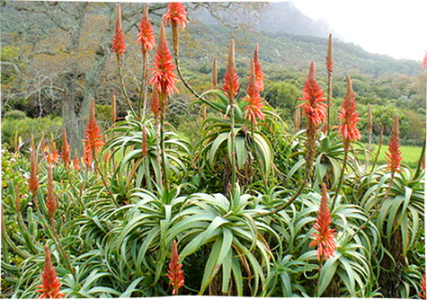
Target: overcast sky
<point x="395" y="28"/>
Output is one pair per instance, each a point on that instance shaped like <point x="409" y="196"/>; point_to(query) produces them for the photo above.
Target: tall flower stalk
<point x="119" y="46"/>
<point x="329" y="69"/>
<point x="423" y="295"/>
<point x="394" y="154"/>
<point x="349" y="117"/>
<point x="175" y="272"/>
<point x="163" y="79"/>
<point x="50" y="287"/>
<point x="253" y="109"/>
<point x="33" y="183"/>
<point x="65" y="153"/>
<point x="93" y="141"/>
<point x="231" y="87"/>
<point x="324" y="237"/>
<point x="314" y="109"/>
<point x="146" y="38"/>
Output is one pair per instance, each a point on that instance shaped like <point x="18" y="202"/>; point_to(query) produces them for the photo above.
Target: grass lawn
<point x="410" y="154"/>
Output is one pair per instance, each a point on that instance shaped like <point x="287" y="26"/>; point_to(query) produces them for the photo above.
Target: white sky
<point x="395" y="28"/>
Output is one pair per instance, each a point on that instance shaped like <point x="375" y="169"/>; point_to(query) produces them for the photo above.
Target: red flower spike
<point x="313" y="107"/>
<point x="423" y="288"/>
<point x="253" y="109"/>
<point x="394" y="155"/>
<point x="119" y="44"/>
<point x="146" y="33"/>
<point x="349" y="116"/>
<point x="176" y="14"/>
<point x="93" y="141"/>
<point x="66" y="158"/>
<point x="175" y="272"/>
<point x="424" y="62"/>
<point x="50" y="282"/>
<point x="162" y="74"/>
<point x="50" y="200"/>
<point x="33" y="183"/>
<point x="324" y="238"/>
<point x="55" y="153"/>
<point x="231" y="80"/>
<point x="259" y="75"/>
<point x="329" y="60"/>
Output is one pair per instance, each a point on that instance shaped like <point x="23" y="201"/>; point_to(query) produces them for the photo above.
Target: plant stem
<point x="329" y="101"/>
<point x="144" y="87"/>
<point x="122" y="84"/>
<point x="233" y="152"/>
<point x="378" y="152"/>
<point x="162" y="140"/>
<point x="344" y="165"/>
<point x="420" y="161"/>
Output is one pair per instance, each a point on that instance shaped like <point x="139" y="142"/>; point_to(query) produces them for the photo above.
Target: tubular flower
<point x="253" y="109"/>
<point x="176" y="14"/>
<point x="259" y="75"/>
<point x="423" y="288"/>
<point x="175" y="272"/>
<point x="324" y="238"/>
<point x="313" y="108"/>
<point x="50" y="282"/>
<point x="50" y="200"/>
<point x="55" y="153"/>
<point x="146" y="33"/>
<point x="329" y="60"/>
<point x="87" y="157"/>
<point x="231" y="80"/>
<point x="162" y="74"/>
<point x="424" y="62"/>
<point x="119" y="44"/>
<point x="394" y="155"/>
<point x="66" y="158"/>
<point x="349" y="116"/>
<point x="33" y="183"/>
<point x="93" y="141"/>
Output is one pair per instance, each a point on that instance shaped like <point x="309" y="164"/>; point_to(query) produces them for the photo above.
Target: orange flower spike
<point x="349" y="116"/>
<point x="324" y="238"/>
<point x="253" y="109"/>
<point x="50" y="288"/>
<point x="119" y="44"/>
<point x="423" y="288"/>
<point x="76" y="162"/>
<point x="329" y="59"/>
<point x="50" y="200"/>
<point x="146" y="33"/>
<point x="176" y="14"/>
<point x="93" y="141"/>
<point x="394" y="155"/>
<point x="66" y="158"/>
<point x="33" y="183"/>
<point x="55" y="153"/>
<point x="175" y="272"/>
<point x="231" y="79"/>
<point x="258" y="71"/>
<point x="314" y="107"/>
<point x="163" y="72"/>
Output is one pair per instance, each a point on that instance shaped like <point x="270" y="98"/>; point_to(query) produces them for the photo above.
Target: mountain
<point x="272" y="17"/>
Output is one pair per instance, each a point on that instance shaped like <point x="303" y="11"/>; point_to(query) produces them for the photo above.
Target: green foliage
<point x="27" y="126"/>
